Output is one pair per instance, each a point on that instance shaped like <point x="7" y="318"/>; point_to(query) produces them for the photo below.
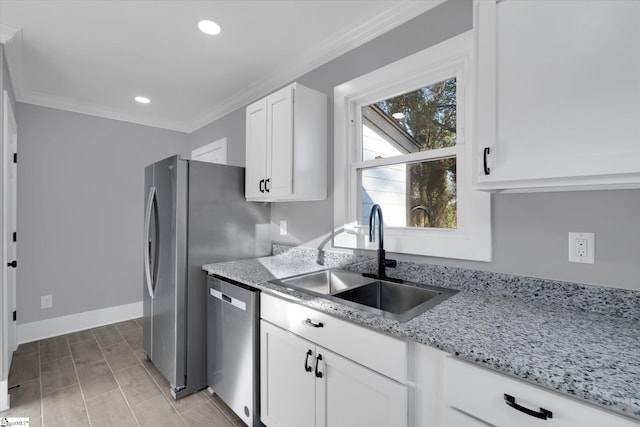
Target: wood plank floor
<point x="99" y="377"/>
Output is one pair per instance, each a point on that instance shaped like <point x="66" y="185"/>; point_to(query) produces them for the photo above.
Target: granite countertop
<point x="580" y="353"/>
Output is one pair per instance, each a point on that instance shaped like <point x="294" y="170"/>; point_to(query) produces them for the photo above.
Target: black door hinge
<point x="15" y="315"/>
<point x="15" y="236"/>
<point x="15" y="157"/>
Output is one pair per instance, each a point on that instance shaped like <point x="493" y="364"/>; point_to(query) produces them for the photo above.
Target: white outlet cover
<point x="46" y="301"/>
<point x="589" y="258"/>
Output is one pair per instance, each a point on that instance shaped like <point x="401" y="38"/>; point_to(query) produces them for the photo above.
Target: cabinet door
<point x="558" y="93"/>
<point x="256" y="150"/>
<point x="280" y="137"/>
<point x="349" y="394"/>
<point x="287" y="390"/>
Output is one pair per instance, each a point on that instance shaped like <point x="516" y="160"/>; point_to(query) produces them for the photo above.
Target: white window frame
<point x="471" y="240"/>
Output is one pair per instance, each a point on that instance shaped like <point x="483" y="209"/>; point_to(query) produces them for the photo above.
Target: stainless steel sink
<point x="399" y="300"/>
<point x="324" y="282"/>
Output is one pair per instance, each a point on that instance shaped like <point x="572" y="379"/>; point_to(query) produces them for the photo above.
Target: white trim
<point x="309" y="60"/>
<point x="4" y="395"/>
<point x="6" y="32"/>
<point x="472" y="239"/>
<point x="28" y="332"/>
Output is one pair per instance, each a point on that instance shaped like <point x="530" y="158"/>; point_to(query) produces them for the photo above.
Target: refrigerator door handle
<point x="147" y="256"/>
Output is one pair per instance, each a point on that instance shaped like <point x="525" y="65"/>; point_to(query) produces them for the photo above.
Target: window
<point x="418" y="193"/>
<point x="403" y="140"/>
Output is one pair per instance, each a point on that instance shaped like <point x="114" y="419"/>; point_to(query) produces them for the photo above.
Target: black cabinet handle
<point x="310" y="322"/>
<point x="266" y="184"/>
<point x="487" y="170"/>
<point x="13" y="264"/>
<point x="306" y="362"/>
<point x="262" y="185"/>
<point x="318" y="374"/>
<point x="543" y="414"/>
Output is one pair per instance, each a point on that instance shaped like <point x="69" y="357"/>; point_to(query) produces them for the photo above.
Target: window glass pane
<point x="421" y="120"/>
<point x="420" y="194"/>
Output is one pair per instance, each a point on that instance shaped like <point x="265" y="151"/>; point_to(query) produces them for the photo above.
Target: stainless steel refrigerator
<point x="195" y="214"/>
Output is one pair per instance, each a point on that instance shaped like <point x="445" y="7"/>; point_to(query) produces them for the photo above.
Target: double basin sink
<point x="393" y="298"/>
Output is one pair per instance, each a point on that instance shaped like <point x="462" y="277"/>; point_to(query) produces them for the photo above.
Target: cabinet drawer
<point x="451" y="417"/>
<point x="481" y="393"/>
<point x="380" y="352"/>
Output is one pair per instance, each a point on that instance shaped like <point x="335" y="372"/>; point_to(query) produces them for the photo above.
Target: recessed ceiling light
<point x="209" y="27"/>
<point x="142" y="99"/>
<point x="398" y="116"/>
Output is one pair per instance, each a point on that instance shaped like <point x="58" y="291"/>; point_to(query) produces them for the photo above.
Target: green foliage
<point x="430" y="118"/>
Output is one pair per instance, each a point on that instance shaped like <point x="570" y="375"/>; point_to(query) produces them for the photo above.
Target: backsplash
<point x="574" y="296"/>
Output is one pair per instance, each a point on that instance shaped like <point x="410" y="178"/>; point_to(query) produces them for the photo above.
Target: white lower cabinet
<point x="352" y="395"/>
<point x="454" y="418"/>
<point x="303" y="384"/>
<point x="502" y="401"/>
<point x="287" y="389"/>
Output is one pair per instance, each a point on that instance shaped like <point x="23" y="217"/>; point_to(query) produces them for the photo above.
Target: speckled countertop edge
<point x="580" y="353"/>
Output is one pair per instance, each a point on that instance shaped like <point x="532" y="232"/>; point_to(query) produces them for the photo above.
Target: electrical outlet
<point x="46" y="301"/>
<point x="283" y="227"/>
<point x="582" y="248"/>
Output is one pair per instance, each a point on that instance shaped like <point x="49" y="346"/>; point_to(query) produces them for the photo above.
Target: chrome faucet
<point x="382" y="261"/>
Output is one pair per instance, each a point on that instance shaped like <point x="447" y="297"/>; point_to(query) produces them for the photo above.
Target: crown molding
<point x="313" y="58"/>
<point x="6" y="32"/>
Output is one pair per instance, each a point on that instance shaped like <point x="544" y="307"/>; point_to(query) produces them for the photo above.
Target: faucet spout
<point x="376" y="210"/>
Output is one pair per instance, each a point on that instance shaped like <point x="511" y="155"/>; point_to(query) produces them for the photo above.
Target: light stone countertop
<point x="588" y="355"/>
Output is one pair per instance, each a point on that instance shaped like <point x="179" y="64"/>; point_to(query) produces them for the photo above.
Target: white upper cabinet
<point x="286" y="148"/>
<point x="558" y="94"/>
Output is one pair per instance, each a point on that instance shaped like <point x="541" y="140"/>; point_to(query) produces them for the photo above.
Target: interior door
<point x="9" y="236"/>
<point x="8" y="268"/>
<point x="11" y="215"/>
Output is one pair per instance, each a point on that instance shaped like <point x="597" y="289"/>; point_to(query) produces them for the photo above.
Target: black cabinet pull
<point x="306" y="362"/>
<point x="262" y="185"/>
<point x="266" y="184"/>
<point x="487" y="170"/>
<point x="543" y="414"/>
<point x="13" y="264"/>
<point x="310" y="322"/>
<point x="318" y="373"/>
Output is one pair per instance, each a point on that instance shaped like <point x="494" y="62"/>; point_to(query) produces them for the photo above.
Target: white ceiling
<point x="94" y="56"/>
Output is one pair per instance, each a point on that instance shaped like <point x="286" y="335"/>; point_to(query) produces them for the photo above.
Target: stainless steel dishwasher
<point x="233" y="319"/>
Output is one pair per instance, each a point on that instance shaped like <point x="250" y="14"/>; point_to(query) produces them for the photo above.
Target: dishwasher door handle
<point x="229" y="300"/>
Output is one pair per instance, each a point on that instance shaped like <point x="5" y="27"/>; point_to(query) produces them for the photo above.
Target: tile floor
<point x="99" y="377"/>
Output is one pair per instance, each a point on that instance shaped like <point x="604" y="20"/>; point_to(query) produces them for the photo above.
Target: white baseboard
<point x="4" y="395"/>
<point x="28" y="332"/>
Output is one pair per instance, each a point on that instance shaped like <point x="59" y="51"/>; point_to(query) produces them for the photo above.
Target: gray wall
<point x="6" y="80"/>
<point x="80" y="208"/>
<point x="529" y="230"/>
